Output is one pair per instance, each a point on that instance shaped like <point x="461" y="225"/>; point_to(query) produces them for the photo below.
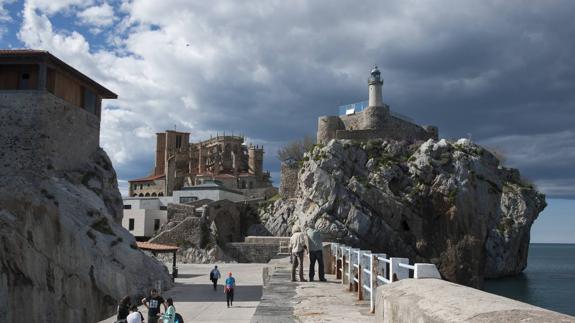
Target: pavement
<point x="280" y="301"/>
<point x="195" y="299"/>
<point x="284" y="301"/>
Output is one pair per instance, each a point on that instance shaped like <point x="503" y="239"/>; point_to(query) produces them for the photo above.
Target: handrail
<point x="371" y="270"/>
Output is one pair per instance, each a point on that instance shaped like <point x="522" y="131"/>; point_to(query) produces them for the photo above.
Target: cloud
<point x="97" y="16"/>
<point x="502" y="72"/>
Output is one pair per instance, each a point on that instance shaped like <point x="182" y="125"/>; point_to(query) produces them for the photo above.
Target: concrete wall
<point x="41" y="132"/>
<point x="439" y="301"/>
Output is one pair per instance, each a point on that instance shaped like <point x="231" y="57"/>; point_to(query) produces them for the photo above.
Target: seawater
<point x="548" y="281"/>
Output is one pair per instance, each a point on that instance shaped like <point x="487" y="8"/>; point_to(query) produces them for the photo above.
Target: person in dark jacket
<point x="123" y="310"/>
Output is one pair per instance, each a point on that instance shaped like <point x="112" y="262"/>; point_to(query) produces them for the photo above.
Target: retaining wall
<point x="439" y="301"/>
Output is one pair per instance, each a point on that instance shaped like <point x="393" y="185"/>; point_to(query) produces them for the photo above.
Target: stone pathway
<point x="286" y="301"/>
<point x="195" y="299"/>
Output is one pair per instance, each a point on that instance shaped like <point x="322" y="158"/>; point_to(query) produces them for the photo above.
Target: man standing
<point x="153" y="303"/>
<point x="214" y="276"/>
<point x="297" y="247"/>
<point x="315" y="244"/>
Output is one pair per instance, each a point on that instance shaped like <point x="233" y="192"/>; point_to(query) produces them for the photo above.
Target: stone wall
<point x="435" y="300"/>
<point x="41" y="132"/>
<point x="179" y="212"/>
<point x="371" y="123"/>
<point x="251" y="252"/>
<point x="289" y="176"/>
<point x="190" y="232"/>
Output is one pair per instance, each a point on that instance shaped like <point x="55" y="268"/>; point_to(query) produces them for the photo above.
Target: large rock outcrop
<point x="449" y="203"/>
<point x="64" y="256"/>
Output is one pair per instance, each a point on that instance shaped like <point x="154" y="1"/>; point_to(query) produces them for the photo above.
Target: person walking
<point x="170" y="314"/>
<point x="135" y="316"/>
<point x="315" y="248"/>
<point x="229" y="289"/>
<point x="123" y="310"/>
<point x="297" y="247"/>
<point x="214" y="276"/>
<point x="153" y="303"/>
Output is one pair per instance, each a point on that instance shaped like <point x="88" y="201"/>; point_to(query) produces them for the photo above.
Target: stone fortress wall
<point x="372" y="123"/>
<point x="42" y="132"/>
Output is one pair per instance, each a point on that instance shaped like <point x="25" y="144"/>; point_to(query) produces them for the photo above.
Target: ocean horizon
<point x="547" y="282"/>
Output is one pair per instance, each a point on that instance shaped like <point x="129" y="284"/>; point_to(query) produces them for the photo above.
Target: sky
<point x="499" y="72"/>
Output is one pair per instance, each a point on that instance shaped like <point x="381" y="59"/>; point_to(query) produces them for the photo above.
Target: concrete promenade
<point x="286" y="301"/>
<point x="195" y="299"/>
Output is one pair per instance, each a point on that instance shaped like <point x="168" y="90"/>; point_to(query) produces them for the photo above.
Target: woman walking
<point x="229" y="289"/>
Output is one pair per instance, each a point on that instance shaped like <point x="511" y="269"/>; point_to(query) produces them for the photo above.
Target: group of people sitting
<point x="129" y="313"/>
<point x="311" y="242"/>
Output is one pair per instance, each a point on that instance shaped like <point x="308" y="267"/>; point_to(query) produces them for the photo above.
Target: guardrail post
<point x="364" y="263"/>
<point x="343" y="264"/>
<point x="396" y="272"/>
<point x="375" y="268"/>
<point x="352" y="262"/>
<point x="425" y="271"/>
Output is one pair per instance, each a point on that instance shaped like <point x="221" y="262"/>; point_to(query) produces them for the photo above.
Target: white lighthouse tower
<point x="375" y="88"/>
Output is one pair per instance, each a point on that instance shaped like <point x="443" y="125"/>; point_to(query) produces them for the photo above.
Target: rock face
<point x="64" y="256"/>
<point x="203" y="236"/>
<point x="449" y="203"/>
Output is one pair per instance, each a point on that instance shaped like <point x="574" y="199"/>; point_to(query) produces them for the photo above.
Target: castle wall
<point x="41" y="132"/>
<point x="327" y="127"/>
<point x="160" y="153"/>
<point x="289" y="179"/>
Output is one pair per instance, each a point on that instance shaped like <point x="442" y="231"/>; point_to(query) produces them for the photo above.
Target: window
<point x="156" y="224"/>
<point x="163" y="207"/>
<point x="89" y="101"/>
<point x="186" y="199"/>
<point x="178" y="141"/>
<point x="127" y="206"/>
<point x="251" y="184"/>
<point x="131" y="224"/>
<point x="24" y="80"/>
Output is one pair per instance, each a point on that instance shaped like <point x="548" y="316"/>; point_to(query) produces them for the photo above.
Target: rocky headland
<point x="450" y="203"/>
<point x="64" y="256"/>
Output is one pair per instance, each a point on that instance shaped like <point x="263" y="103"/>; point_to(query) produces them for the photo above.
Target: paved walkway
<point x="286" y="301"/>
<point x="195" y="299"/>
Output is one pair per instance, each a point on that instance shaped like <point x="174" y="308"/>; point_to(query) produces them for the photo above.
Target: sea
<point x="548" y="281"/>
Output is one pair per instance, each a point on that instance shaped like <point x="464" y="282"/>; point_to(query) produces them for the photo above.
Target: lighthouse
<point x="375" y="88"/>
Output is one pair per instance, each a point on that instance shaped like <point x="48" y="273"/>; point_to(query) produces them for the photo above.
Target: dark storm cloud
<point x="502" y="72"/>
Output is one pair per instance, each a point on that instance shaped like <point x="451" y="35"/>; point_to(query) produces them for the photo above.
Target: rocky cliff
<point x="449" y="203"/>
<point x="64" y="256"/>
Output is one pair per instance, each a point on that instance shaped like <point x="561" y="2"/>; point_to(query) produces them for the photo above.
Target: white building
<point x="144" y="216"/>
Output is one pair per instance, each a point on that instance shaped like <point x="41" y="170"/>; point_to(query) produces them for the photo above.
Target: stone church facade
<point x="226" y="160"/>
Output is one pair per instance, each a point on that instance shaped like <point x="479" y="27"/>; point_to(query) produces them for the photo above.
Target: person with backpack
<point x="214" y="276"/>
<point x="229" y="289"/>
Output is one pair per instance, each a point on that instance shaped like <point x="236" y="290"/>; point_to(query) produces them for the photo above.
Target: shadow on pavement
<point x="206" y="293"/>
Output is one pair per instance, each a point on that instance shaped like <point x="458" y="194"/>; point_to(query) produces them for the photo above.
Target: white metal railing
<point x="364" y="271"/>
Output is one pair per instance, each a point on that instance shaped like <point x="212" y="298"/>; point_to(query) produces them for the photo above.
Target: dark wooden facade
<point x="40" y="70"/>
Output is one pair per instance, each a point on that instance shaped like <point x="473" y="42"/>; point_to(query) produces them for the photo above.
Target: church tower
<point x="375" y="88"/>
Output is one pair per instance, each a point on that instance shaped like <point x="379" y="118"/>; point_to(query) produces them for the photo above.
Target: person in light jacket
<point x="315" y="248"/>
<point x="170" y="314"/>
<point x="297" y="246"/>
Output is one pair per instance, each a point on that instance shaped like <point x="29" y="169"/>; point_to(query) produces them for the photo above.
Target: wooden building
<point x="28" y="69"/>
